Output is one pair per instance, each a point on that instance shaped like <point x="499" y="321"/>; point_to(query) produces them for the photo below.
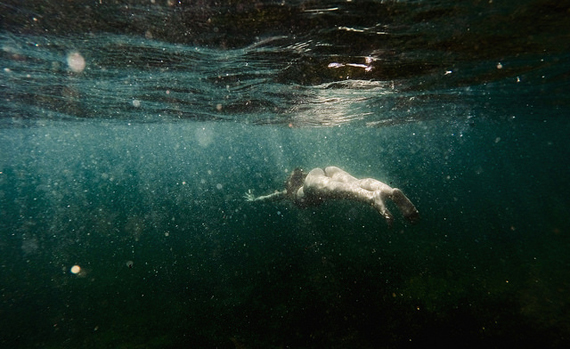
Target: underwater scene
<point x="131" y="133"/>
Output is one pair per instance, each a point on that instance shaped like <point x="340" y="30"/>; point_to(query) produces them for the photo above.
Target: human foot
<point x="408" y="209"/>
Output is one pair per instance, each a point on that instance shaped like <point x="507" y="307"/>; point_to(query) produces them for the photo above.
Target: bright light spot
<point x="76" y="62"/>
<point x="335" y="65"/>
<point x="75" y="269"/>
<point x="357" y="65"/>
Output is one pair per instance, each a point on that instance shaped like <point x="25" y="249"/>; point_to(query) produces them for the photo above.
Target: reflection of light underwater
<point x="204" y="136"/>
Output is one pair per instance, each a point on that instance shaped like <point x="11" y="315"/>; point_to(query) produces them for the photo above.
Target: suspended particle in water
<point x="75" y="269"/>
<point x="129" y="264"/>
<point x="76" y="62"/>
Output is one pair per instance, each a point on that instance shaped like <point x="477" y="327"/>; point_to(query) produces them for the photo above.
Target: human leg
<point x="367" y="183"/>
<point x="339" y="175"/>
<point x="383" y="191"/>
<point x="370" y="187"/>
<point x="379" y="204"/>
<point x="320" y="184"/>
<point x="334" y="183"/>
<point x="375" y="185"/>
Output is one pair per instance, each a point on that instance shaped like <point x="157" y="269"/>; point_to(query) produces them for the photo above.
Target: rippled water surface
<point x="130" y="131"/>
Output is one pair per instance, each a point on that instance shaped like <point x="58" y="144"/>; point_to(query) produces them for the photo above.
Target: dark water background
<point x="134" y="169"/>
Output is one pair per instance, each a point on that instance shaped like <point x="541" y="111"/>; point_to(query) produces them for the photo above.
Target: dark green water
<point x="135" y="168"/>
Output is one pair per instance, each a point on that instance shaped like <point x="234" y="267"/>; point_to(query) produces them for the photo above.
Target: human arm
<point x="277" y="195"/>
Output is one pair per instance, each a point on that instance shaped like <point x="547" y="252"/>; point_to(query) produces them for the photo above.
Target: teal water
<point x="487" y="264"/>
<point x="134" y="169"/>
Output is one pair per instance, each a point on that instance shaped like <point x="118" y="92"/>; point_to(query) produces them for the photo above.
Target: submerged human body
<point x="333" y="183"/>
